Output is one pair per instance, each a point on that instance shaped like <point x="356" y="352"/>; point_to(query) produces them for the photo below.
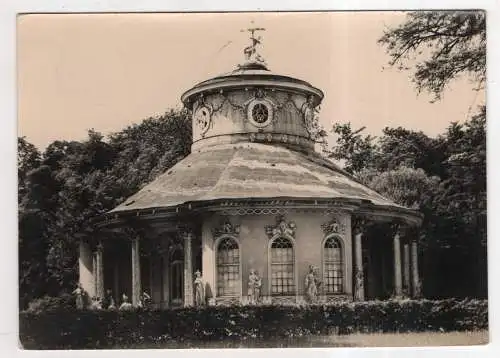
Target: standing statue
<point x="359" y="284"/>
<point x="79" y="292"/>
<point x="199" y="297"/>
<point x="311" y="285"/>
<point x="254" y="285"/>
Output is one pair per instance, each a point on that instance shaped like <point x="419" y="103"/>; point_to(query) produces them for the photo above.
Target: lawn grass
<point x="420" y="339"/>
<point x="331" y="341"/>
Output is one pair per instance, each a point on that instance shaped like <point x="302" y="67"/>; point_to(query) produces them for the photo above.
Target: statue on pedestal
<point x="199" y="297"/>
<point x="79" y="292"/>
<point x="311" y="285"/>
<point x="254" y="285"/>
<point x="359" y="284"/>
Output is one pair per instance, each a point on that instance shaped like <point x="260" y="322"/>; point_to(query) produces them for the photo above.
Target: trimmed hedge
<point x="71" y="329"/>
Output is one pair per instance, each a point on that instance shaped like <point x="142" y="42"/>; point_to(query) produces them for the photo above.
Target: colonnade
<point x="406" y="281"/>
<point x="95" y="285"/>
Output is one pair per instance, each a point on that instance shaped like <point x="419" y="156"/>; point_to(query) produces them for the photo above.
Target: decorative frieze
<point x="284" y="300"/>
<point x="227" y="301"/>
<point x="254" y="211"/>
<point x="329" y="299"/>
<point x="281" y="228"/>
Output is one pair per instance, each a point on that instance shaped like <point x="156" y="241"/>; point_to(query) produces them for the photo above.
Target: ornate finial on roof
<point x="251" y="54"/>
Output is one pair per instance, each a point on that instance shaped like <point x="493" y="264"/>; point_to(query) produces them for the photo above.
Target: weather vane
<point x="250" y="52"/>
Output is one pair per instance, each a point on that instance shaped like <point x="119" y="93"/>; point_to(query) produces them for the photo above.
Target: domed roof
<point x="257" y="171"/>
<point x="250" y="74"/>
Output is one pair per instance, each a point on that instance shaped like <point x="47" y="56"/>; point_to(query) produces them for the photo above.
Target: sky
<point x="107" y="71"/>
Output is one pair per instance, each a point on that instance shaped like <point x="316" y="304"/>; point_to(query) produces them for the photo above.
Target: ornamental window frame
<point x="239" y="290"/>
<point x="291" y="239"/>
<point x="343" y="263"/>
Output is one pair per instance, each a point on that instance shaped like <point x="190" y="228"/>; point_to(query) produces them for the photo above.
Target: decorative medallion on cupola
<point x="260" y="110"/>
<point x="202" y="115"/>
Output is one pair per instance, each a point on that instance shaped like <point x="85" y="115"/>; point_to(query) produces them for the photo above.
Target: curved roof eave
<point x="253" y="171"/>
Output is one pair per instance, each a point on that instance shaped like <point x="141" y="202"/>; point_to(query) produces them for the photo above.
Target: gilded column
<point x="100" y="272"/>
<point x="188" y="270"/>
<point x="94" y="274"/>
<point x="85" y="268"/>
<point x="116" y="281"/>
<point x="359" y="274"/>
<point x="416" y="289"/>
<point x="165" y="279"/>
<point x="136" y="272"/>
<point x="406" y="268"/>
<point x="398" y="289"/>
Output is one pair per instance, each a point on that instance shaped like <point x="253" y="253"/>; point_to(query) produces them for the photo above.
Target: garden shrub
<point x="48" y="303"/>
<point x="72" y="329"/>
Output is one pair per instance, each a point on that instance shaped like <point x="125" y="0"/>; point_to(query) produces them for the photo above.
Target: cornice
<point x="281" y="206"/>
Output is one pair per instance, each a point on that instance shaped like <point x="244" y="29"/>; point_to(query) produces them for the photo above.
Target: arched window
<point x="282" y="267"/>
<point x="333" y="263"/>
<point x="228" y="267"/>
<point x="176" y="276"/>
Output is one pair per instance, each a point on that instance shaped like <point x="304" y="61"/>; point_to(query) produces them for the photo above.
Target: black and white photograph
<point x="252" y="179"/>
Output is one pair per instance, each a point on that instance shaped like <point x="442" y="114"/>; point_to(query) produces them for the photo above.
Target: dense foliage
<point x="105" y="329"/>
<point x="61" y="189"/>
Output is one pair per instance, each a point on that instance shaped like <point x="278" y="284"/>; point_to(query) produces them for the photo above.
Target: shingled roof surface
<point x="249" y="170"/>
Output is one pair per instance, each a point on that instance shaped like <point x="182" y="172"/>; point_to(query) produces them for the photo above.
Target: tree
<point x="441" y="46"/>
<point x="356" y="151"/>
<point x="28" y="158"/>
<point x="412" y="149"/>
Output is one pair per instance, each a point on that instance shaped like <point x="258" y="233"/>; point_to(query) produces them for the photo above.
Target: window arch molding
<point x="217" y="242"/>
<point x="269" y="262"/>
<point x="341" y="243"/>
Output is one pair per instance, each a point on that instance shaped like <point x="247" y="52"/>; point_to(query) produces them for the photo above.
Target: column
<point x="165" y="262"/>
<point x="398" y="289"/>
<point x="94" y="274"/>
<point x="359" y="287"/>
<point x="416" y="289"/>
<point x="406" y="268"/>
<point x="86" y="268"/>
<point x="116" y="280"/>
<point x="100" y="272"/>
<point x="136" y="273"/>
<point x="188" y="270"/>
